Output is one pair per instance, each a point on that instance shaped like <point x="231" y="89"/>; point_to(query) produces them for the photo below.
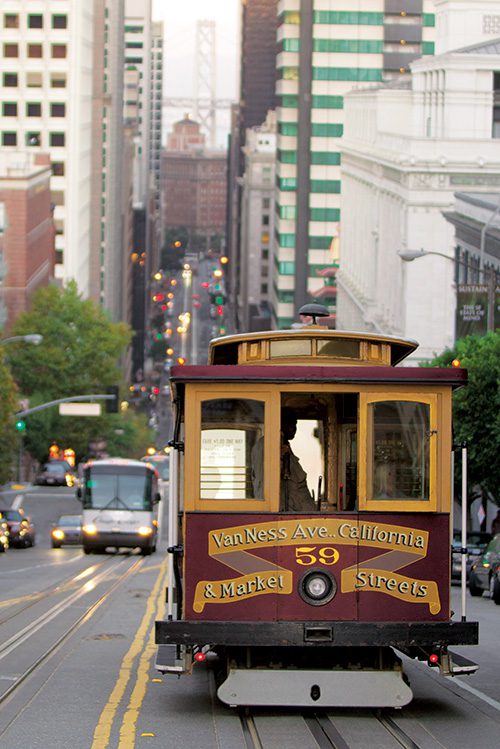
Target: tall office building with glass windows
<point x="326" y="50"/>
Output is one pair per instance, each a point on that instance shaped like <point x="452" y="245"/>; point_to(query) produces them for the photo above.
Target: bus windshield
<point x="107" y="488"/>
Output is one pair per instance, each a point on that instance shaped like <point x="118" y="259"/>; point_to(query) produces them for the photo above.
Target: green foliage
<point x="9" y="436"/>
<point x="80" y="354"/>
<point x="476" y="408"/>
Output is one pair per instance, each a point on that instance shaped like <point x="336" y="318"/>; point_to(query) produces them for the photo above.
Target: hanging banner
<point x="472" y="310"/>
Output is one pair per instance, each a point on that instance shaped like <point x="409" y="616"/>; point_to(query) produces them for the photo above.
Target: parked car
<point x="485" y="571"/>
<point x="476" y="543"/>
<point x="21" y="529"/>
<point x="4" y="535"/>
<point x="67" y="531"/>
<point x="56" y="473"/>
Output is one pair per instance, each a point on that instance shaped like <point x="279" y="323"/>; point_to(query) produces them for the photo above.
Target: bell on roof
<point x="314" y="310"/>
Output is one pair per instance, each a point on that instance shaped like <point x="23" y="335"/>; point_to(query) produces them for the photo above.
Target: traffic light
<point x="113" y="403"/>
<point x="20" y="425"/>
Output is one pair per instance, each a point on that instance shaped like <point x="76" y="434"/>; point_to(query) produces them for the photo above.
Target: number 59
<point x="306" y="555"/>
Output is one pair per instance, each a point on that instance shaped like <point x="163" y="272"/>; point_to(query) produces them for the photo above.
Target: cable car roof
<point x="310" y="345"/>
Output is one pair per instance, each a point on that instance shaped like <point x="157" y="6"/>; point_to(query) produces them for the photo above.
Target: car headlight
<point x="90" y="529"/>
<point x="145" y="530"/>
<point x="58" y="534"/>
<point x="317" y="587"/>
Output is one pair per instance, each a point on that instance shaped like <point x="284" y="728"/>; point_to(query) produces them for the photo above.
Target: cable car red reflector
<point x="433" y="658"/>
<point x="199" y="657"/>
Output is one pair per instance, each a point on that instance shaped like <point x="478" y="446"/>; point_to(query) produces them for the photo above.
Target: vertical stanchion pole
<point x="464" y="529"/>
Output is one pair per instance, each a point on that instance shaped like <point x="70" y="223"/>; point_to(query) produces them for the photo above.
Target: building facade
<point x="26" y="231"/>
<point x="46" y="91"/>
<point x="406" y="151"/>
<point x="324" y="52"/>
<point x="257" y="96"/>
<point x="257" y="226"/>
<point x="193" y="182"/>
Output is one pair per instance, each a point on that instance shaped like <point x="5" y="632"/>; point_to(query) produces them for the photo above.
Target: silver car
<point x="67" y="531"/>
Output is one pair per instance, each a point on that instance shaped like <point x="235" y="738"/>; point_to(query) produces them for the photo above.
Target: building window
<point x="58" y="169"/>
<point x="57" y="139"/>
<point x="57" y="197"/>
<point x="58" y="80"/>
<point x="10" y="80"/>
<point x="35" y="50"/>
<point x="9" y="139"/>
<point x="35" y="21"/>
<point x="58" y="110"/>
<point x="33" y="139"/>
<point x="11" y="50"/>
<point x="496" y="105"/>
<point x="33" y="109"/>
<point x="9" y="109"/>
<point x="34" y="80"/>
<point x="265" y="220"/>
<point x="11" y="21"/>
<point x="59" y="22"/>
<point x="58" y="50"/>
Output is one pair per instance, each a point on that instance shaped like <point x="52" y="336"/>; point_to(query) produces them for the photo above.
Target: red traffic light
<point x="204" y="285"/>
<point x="158" y="297"/>
<point x="220" y="310"/>
<point x="155" y="390"/>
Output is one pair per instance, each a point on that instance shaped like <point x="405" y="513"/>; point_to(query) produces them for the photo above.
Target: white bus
<point x="119" y="505"/>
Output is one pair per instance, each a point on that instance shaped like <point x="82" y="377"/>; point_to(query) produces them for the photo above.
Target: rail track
<point x="109" y="575"/>
<point x="327" y="732"/>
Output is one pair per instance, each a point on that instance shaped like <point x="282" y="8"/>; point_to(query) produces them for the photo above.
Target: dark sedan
<point x="55" y="473"/>
<point x="21" y="529"/>
<point x="485" y="572"/>
<point x="67" y="531"/>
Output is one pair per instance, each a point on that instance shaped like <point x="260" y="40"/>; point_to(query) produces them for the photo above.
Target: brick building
<point x="27" y="232"/>
<point x="193" y="182"/>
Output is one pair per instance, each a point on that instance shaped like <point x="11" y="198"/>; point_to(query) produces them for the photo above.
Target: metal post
<point x="20" y="459"/>
<point x="464" y="530"/>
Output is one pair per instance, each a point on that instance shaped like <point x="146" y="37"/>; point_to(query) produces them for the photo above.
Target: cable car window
<point x="298" y="347"/>
<point x="400" y="458"/>
<point x="338" y="347"/>
<point x="230" y="427"/>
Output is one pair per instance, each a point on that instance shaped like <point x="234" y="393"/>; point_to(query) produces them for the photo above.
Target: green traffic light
<point x="20" y="425"/>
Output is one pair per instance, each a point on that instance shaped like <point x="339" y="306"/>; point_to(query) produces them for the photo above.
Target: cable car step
<point x="310" y="688"/>
<point x="169" y="660"/>
<point x="461" y="665"/>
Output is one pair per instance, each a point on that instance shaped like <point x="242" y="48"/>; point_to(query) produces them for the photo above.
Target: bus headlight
<point x="317" y="587"/>
<point x="145" y="530"/>
<point x="90" y="529"/>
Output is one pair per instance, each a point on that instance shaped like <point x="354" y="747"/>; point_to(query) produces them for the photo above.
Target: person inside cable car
<point x="294" y="493"/>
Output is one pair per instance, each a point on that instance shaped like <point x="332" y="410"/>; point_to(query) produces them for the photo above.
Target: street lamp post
<point x="409" y="255"/>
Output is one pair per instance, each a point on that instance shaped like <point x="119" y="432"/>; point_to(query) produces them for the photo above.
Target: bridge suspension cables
<point x="203" y="105"/>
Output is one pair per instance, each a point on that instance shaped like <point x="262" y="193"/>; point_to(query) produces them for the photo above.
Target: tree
<point x="476" y="408"/>
<point x="80" y="354"/>
<point x="9" y="404"/>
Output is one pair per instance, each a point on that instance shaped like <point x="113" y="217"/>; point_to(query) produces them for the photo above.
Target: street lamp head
<point x="35" y="338"/>
<point x="409" y="255"/>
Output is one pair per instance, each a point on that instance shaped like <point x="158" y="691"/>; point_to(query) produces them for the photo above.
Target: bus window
<point x="230" y="430"/>
<point x="107" y="488"/>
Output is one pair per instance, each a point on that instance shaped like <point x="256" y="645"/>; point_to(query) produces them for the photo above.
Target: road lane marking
<point x="129" y="722"/>
<point x="489" y="700"/>
<point x="105" y="724"/>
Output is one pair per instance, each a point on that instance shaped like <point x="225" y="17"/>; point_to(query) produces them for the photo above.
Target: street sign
<point x="80" y="409"/>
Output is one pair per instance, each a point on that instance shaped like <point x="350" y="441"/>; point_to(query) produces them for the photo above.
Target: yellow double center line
<point x="154" y="609"/>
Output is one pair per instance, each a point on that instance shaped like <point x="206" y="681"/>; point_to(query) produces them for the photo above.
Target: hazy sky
<point x="180" y="17"/>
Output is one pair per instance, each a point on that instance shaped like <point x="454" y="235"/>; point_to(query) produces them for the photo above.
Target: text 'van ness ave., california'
<point x="339" y="531"/>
